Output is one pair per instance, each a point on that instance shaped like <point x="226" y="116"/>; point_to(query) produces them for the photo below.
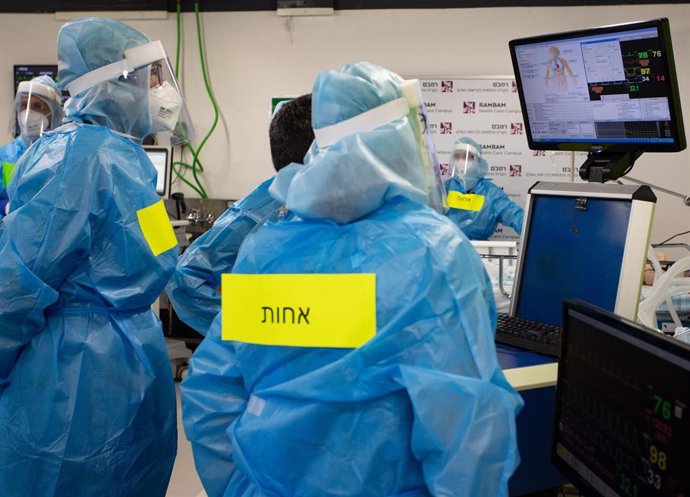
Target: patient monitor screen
<point x="622" y="408"/>
<point x="605" y="88"/>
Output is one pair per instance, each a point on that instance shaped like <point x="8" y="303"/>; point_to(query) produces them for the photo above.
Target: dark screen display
<point x="622" y="409"/>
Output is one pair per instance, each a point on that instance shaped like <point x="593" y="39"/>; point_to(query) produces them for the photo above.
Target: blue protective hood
<point x="358" y="174"/>
<point x="86" y="44"/>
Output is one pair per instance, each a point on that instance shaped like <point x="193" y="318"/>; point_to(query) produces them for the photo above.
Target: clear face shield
<point x="35" y="107"/>
<point x="409" y="105"/>
<point x="425" y="145"/>
<point x="167" y="110"/>
<point x="462" y="163"/>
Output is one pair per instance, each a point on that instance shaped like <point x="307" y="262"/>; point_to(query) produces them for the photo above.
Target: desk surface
<point x="526" y="370"/>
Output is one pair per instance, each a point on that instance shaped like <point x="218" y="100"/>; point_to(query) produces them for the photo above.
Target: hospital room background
<point x="253" y="57"/>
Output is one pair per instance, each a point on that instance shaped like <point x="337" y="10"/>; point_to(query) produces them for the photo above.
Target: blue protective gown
<point x="13" y="150"/>
<point x="10" y="154"/>
<point x="421" y="409"/>
<point x="87" y="404"/>
<point x="497" y="208"/>
<point x="193" y="289"/>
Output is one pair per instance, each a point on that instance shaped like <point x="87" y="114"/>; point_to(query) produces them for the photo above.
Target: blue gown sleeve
<point x="213" y="396"/>
<point x="193" y="289"/>
<point x="458" y="419"/>
<point x="509" y="213"/>
<point x="41" y="242"/>
<point x="457" y="458"/>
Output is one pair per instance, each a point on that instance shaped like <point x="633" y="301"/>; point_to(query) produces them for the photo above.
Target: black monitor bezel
<point x="662" y="25"/>
<point x="650" y="337"/>
<point x="53" y="67"/>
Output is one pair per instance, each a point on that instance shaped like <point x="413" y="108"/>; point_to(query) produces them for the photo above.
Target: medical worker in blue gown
<point x="422" y="409"/>
<point x="87" y="403"/>
<point x="479" y="219"/>
<point x="37" y="109"/>
<point x="193" y="289"/>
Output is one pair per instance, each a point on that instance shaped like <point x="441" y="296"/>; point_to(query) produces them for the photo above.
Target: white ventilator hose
<point x="646" y="313"/>
<point x="651" y="255"/>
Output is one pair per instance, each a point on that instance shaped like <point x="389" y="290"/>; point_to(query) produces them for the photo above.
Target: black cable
<point x="628" y="169"/>
<point x="671" y="238"/>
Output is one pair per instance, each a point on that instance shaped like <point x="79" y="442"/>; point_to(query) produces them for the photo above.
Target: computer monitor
<point x="610" y="91"/>
<point x="160" y="158"/>
<point x="25" y="72"/>
<point x="582" y="240"/>
<point x="622" y="424"/>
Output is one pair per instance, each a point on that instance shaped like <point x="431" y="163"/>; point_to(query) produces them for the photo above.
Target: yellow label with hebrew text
<point x="155" y="224"/>
<point x="465" y="201"/>
<point x="299" y="310"/>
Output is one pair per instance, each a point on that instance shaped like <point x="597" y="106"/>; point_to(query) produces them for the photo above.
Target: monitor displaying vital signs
<point x="610" y="89"/>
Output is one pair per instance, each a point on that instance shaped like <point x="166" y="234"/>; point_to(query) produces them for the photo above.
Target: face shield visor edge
<point x="425" y="144"/>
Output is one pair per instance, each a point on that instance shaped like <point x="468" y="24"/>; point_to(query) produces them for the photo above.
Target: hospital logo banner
<point x="488" y="111"/>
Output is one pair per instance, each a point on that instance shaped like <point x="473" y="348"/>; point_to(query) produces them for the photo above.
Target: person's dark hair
<point x="290" y="132"/>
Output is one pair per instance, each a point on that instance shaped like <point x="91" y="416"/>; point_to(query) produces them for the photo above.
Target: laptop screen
<point x="571" y="250"/>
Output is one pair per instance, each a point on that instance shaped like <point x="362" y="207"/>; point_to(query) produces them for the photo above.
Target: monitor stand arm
<point x="601" y="167"/>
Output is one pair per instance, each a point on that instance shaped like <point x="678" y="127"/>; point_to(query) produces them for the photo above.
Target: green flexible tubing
<point x="196" y="165"/>
<point x="177" y="166"/>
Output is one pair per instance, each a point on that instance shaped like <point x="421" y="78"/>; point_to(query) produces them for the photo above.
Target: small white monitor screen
<point x="159" y="159"/>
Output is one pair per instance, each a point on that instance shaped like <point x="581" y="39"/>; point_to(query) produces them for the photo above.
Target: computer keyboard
<point x="528" y="335"/>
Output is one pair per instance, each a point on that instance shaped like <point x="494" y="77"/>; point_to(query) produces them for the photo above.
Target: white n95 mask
<point x="165" y="105"/>
<point x="32" y="123"/>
